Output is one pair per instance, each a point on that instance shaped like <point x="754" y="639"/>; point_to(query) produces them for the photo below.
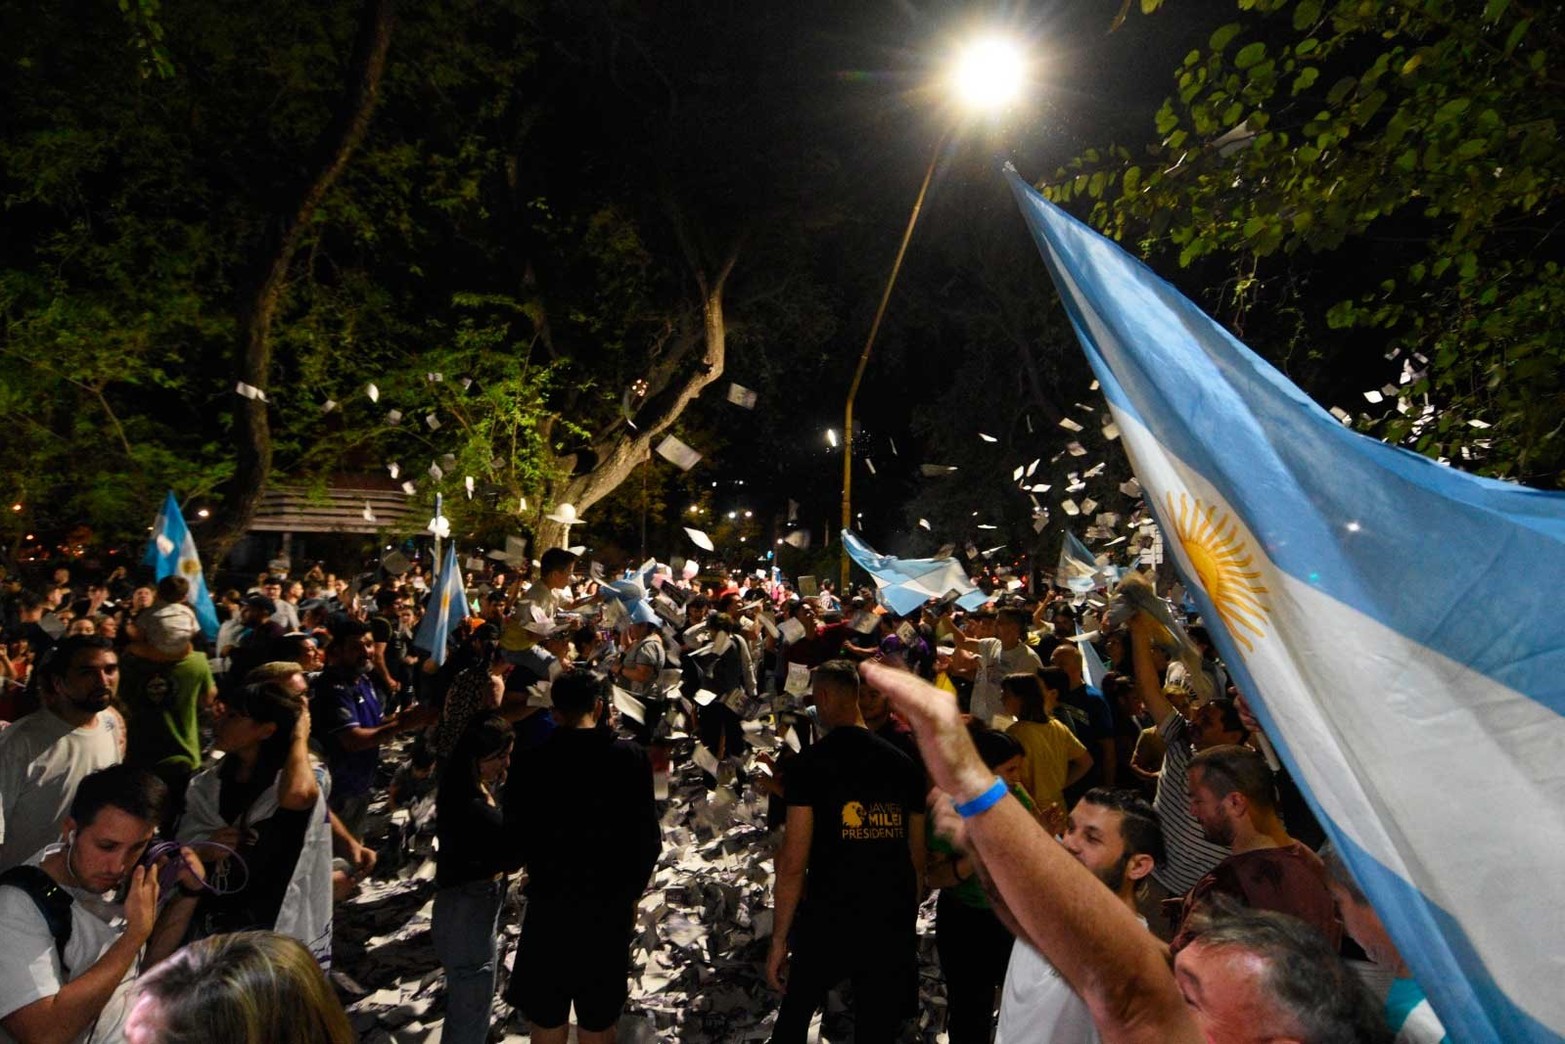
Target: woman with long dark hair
<point x="265" y="801"/>
<point x="469" y="871"/>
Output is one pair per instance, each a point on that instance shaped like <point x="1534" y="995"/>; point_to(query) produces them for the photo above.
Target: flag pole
<point x="869" y="345"/>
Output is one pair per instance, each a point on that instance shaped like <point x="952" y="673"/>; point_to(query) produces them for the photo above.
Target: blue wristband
<point x="985" y="801"/>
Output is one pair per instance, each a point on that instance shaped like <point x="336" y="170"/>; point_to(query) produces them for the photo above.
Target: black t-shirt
<point x="385" y="631"/>
<point x="466" y="826"/>
<point x="863" y="791"/>
<point x="269" y="861"/>
<point x="580" y="814"/>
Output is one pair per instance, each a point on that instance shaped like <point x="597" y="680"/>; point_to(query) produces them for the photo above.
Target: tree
<point x="1372" y="181"/>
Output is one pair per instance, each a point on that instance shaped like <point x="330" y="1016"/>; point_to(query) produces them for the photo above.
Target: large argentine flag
<point x="1399" y="622"/>
<point x="173" y="550"/>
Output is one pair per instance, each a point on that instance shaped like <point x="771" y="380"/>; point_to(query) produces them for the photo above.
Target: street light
<point x="988" y="73"/>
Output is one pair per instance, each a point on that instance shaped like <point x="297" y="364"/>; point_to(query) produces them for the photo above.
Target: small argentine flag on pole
<point x="173" y="550"/>
<point x="1396" y="622"/>
<point x="447" y="607"/>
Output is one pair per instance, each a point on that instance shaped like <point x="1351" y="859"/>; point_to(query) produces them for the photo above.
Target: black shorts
<point x="567" y="955"/>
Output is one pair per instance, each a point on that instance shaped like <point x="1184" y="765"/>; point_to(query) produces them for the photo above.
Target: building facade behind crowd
<point x="552" y="721"/>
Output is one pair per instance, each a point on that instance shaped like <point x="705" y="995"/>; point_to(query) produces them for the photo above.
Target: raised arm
<point x="1062" y="909"/>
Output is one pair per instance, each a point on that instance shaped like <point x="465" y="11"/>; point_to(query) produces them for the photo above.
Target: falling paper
<point x="433" y="422"/>
<point x="1341" y="414"/>
<point x="798" y="682"/>
<point x="987" y="438"/>
<point x="677" y="453"/>
<point x="1042" y="487"/>
<point x="1069" y="507"/>
<point x="328" y="405"/>
<point x="629" y="706"/>
<point x="869" y="464"/>
<point x="1069" y="425"/>
<point x="893" y="444"/>
<point x="1033" y="467"/>
<point x="739" y="395"/>
<point x="933" y="470"/>
<point x="1076" y="449"/>
<point x="1016" y="476"/>
<point x="409" y="488"/>
<point x="1111" y="431"/>
<point x="1131" y="488"/>
<point x="436" y="472"/>
<point x="799" y="538"/>
<point x="369" y="512"/>
<point x="924" y="523"/>
<point x="699" y="539"/>
<point x="434" y="378"/>
<point x="250" y="391"/>
<point x="468" y="482"/>
<point x="704" y="697"/>
<point x="394" y="468"/>
<point x="1088" y="506"/>
<point x="1374" y="395"/>
<point x="394" y="417"/>
<point x="373" y="392"/>
<point x="1094" y="471"/>
<point x="791" y="630"/>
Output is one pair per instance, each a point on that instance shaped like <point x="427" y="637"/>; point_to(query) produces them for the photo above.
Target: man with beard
<point x="1114" y="834"/>
<point x="1233" y="797"/>
<point x="346" y="716"/>
<point x="47" y="753"/>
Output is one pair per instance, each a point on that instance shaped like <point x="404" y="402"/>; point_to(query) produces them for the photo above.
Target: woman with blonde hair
<point x="243" y="988"/>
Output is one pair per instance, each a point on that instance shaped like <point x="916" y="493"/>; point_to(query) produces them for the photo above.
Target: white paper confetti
<point x="468" y="482"/>
<point x="433" y="422"/>
<point x="1111" y="431"/>
<point x="923" y="523"/>
<point x="677" y="453"/>
<point x="1341" y="414"/>
<point x="394" y="468"/>
<point x="1076" y="449"/>
<point x="1130" y="488"/>
<point x="987" y="438"/>
<point x="328" y="405"/>
<point x="699" y="539"/>
<point x="250" y="391"/>
<point x="739" y="395"/>
<point x="1479" y="424"/>
<point x="394" y="417"/>
<point x="1374" y="396"/>
<point x="1088" y="506"/>
<point x="436" y="472"/>
<point x="869" y="464"/>
<point x="409" y="488"/>
<point x="369" y="512"/>
<point x="434" y="378"/>
<point x="1069" y="507"/>
<point x="373" y="392"/>
<point x="1069" y="425"/>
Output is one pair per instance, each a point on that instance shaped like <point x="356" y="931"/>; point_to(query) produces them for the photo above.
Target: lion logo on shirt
<point x="853" y="815"/>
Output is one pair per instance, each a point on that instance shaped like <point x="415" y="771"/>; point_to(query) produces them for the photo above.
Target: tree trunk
<point x="619" y="456"/>
<point x="264" y="292"/>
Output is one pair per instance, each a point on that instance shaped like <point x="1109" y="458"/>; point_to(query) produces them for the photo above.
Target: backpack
<point x="53" y="902"/>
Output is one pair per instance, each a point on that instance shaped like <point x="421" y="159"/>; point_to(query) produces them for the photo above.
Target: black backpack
<point x="53" y="902"/>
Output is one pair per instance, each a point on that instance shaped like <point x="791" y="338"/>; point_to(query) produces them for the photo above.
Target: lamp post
<point x="988" y="74"/>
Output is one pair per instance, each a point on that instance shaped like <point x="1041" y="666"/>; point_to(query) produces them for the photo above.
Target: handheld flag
<point x="1092" y="664"/>
<point x="447" y="606"/>
<point x="173" y="550"/>
<point x="1351" y="587"/>
<point x="904" y="584"/>
<point x="1078" y="567"/>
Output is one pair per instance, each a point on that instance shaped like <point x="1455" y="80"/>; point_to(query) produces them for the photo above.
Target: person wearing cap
<point x="256" y="640"/>
<point x="164" y="685"/>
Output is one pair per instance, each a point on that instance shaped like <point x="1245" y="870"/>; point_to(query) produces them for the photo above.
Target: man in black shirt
<point x="849" y="873"/>
<point x="580" y="815"/>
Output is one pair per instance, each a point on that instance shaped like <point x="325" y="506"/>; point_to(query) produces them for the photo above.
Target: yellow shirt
<point x="1049" y="746"/>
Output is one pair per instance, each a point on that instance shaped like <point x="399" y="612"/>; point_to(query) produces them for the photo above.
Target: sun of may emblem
<point x="1222" y="564"/>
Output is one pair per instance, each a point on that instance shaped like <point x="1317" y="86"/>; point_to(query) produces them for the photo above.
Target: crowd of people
<point x="1117" y="852"/>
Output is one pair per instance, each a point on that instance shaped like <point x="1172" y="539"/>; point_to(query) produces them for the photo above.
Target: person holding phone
<point x="83" y="918"/>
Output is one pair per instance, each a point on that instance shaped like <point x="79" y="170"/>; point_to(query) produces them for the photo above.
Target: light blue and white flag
<point x="447" y="606"/>
<point x="905" y="584"/>
<point x="1398" y="623"/>
<point x="1078" y="567"/>
<point x="1092" y="664"/>
<point x="173" y="550"/>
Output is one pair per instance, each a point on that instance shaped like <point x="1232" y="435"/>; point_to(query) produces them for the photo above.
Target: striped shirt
<point x="1190" y="855"/>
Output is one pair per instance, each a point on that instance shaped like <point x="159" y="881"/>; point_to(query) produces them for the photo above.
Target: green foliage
<point x="1393" y="170"/>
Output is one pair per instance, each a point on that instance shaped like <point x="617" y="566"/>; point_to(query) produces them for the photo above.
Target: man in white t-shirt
<point x="1114" y="834"/>
<point x="1006" y="653"/>
<point x="72" y="949"/>
<point x="48" y="752"/>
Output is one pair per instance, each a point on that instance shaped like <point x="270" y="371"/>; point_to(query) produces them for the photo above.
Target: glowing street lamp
<point x="988" y="74"/>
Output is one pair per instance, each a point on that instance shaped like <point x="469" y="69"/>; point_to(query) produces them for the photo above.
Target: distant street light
<point x="988" y="74"/>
